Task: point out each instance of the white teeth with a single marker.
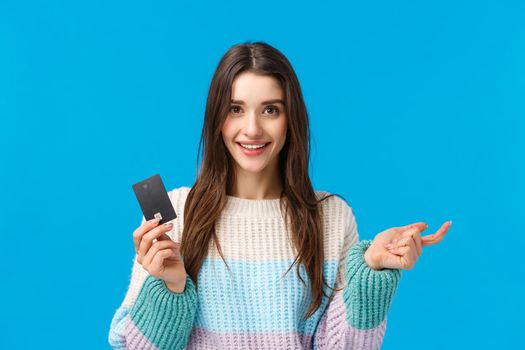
(252, 146)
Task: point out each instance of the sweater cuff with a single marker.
(369, 292)
(164, 317)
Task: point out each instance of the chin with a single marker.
(251, 166)
(253, 169)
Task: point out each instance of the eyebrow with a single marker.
(262, 103)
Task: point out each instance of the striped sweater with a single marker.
(255, 305)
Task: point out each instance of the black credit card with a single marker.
(154, 200)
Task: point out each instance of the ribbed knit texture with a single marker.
(255, 305)
(370, 291)
(157, 308)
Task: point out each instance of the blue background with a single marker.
(417, 113)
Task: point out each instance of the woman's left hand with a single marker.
(400, 247)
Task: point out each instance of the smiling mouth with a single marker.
(253, 147)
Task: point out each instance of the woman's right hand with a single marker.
(162, 258)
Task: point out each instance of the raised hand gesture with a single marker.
(400, 247)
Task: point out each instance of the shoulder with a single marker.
(335, 207)
(178, 197)
(178, 191)
(339, 224)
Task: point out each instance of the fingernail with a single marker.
(169, 225)
(450, 222)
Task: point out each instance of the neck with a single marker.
(263, 185)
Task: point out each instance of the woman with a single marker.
(217, 277)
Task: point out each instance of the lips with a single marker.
(253, 152)
(253, 143)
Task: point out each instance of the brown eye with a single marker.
(273, 109)
(234, 109)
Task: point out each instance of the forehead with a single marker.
(250, 87)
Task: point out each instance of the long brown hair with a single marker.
(207, 196)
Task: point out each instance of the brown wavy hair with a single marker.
(299, 203)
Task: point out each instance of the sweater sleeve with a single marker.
(152, 316)
(355, 317)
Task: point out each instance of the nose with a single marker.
(252, 128)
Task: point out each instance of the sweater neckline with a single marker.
(236, 206)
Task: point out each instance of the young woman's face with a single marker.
(256, 117)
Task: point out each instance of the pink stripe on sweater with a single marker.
(203, 339)
(334, 332)
(134, 337)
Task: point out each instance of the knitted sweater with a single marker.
(255, 305)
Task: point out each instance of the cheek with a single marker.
(225, 128)
(281, 131)
(228, 134)
(227, 131)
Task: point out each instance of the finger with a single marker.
(410, 252)
(392, 261)
(419, 245)
(154, 250)
(436, 237)
(398, 231)
(420, 224)
(141, 230)
(415, 229)
(157, 264)
(404, 255)
(155, 233)
(399, 250)
(400, 242)
(407, 262)
(147, 239)
(409, 258)
(415, 235)
(164, 237)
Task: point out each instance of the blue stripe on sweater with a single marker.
(254, 297)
